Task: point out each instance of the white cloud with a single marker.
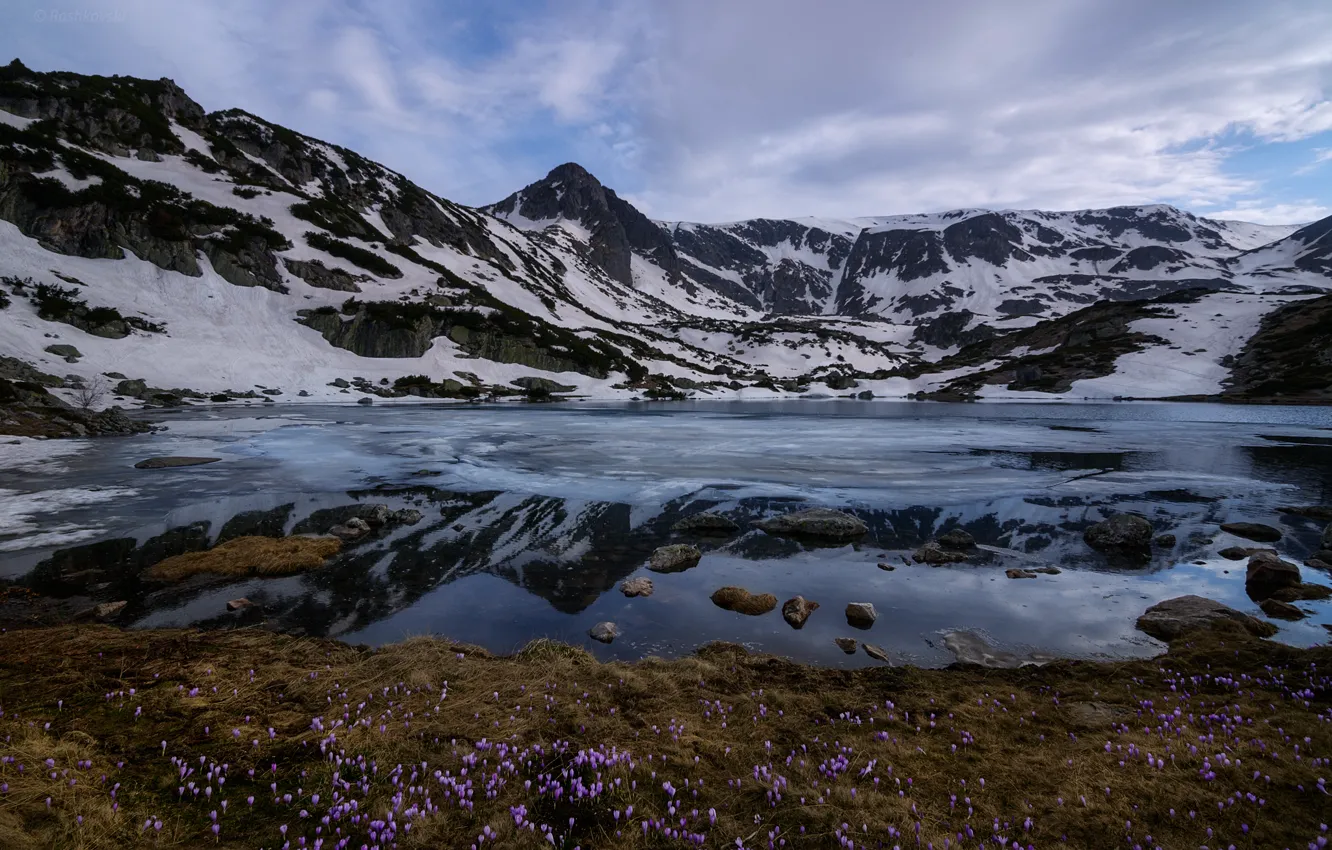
(1260, 213)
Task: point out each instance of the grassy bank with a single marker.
(249, 739)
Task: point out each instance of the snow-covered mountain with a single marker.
(181, 255)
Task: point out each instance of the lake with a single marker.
(534, 514)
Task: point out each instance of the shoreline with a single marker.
(1222, 740)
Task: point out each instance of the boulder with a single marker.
(108, 610)
(876, 652)
(1268, 573)
(1279, 610)
(1239, 553)
(238, 604)
(706, 523)
(1122, 536)
(1252, 531)
(69, 352)
(933, 553)
(133, 387)
(1327, 537)
(741, 601)
(1322, 561)
(815, 522)
(174, 462)
(636, 587)
(1323, 512)
(861, 615)
(1164, 541)
(886, 567)
(340, 383)
(957, 540)
(847, 645)
(675, 558)
(1169, 619)
(1299, 592)
(365, 400)
(797, 610)
(1017, 573)
(406, 516)
(354, 528)
(604, 632)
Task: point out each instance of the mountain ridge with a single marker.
(213, 255)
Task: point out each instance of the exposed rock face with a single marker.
(706, 523)
(971, 648)
(741, 601)
(1122, 536)
(28, 410)
(675, 558)
(1268, 573)
(1174, 617)
(861, 615)
(636, 587)
(315, 273)
(1252, 531)
(1291, 354)
(604, 632)
(1279, 610)
(797, 610)
(815, 522)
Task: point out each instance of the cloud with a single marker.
(714, 111)
(1259, 213)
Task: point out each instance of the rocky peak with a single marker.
(616, 229)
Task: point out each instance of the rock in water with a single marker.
(706, 523)
(933, 553)
(861, 614)
(957, 540)
(173, 462)
(815, 522)
(876, 652)
(636, 587)
(238, 604)
(1169, 619)
(1252, 531)
(1268, 573)
(365, 400)
(1017, 573)
(847, 645)
(741, 601)
(1239, 553)
(1164, 541)
(353, 529)
(1122, 536)
(1279, 610)
(797, 610)
(675, 558)
(1327, 537)
(604, 632)
(406, 516)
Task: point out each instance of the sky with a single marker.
(718, 110)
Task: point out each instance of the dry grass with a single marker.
(251, 556)
(741, 601)
(869, 755)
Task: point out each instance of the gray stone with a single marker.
(304, 393)
(365, 400)
(1169, 619)
(886, 567)
(957, 540)
(340, 383)
(353, 529)
(108, 610)
(133, 388)
(542, 385)
(861, 614)
(815, 522)
(69, 352)
(1267, 572)
(406, 516)
(604, 632)
(1279, 610)
(1327, 537)
(933, 553)
(238, 604)
(315, 273)
(847, 645)
(174, 462)
(1017, 573)
(1164, 541)
(796, 611)
(1252, 531)
(706, 523)
(1239, 553)
(1122, 536)
(637, 587)
(877, 653)
(675, 558)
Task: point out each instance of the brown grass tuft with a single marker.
(251, 556)
(741, 601)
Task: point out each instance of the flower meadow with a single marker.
(250, 739)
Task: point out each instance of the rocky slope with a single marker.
(233, 258)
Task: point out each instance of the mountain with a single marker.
(180, 256)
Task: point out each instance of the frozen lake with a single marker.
(534, 514)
